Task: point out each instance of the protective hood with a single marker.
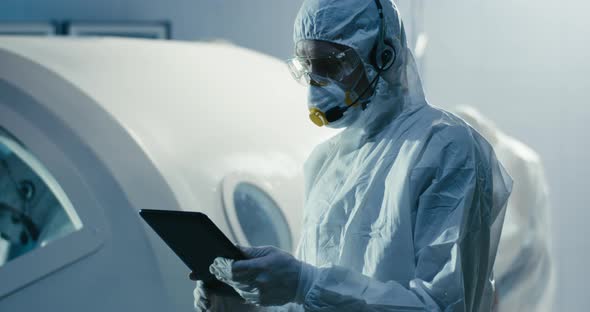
(356, 24)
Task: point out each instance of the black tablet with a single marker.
(196, 240)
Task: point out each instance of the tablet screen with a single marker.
(196, 240)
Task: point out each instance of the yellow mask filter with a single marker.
(317, 117)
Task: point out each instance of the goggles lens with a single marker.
(314, 66)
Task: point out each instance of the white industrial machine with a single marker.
(93, 130)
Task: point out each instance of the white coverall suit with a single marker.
(404, 207)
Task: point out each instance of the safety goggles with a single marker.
(314, 65)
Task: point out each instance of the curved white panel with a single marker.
(166, 122)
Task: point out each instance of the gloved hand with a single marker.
(202, 303)
(268, 277)
(222, 269)
(206, 301)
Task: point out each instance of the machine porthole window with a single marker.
(34, 209)
(254, 216)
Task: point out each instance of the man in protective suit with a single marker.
(403, 207)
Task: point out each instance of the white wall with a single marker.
(265, 25)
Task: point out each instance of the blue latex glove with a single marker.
(269, 276)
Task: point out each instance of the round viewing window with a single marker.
(257, 216)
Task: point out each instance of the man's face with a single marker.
(334, 61)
